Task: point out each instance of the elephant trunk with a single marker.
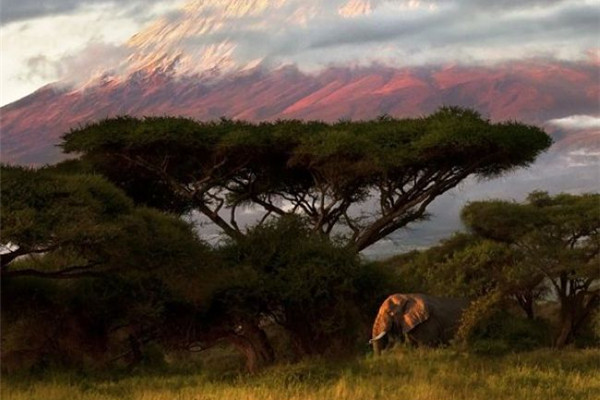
(381, 327)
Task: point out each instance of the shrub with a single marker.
(316, 289)
(589, 336)
(505, 332)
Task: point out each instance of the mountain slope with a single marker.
(531, 92)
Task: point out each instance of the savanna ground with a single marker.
(415, 374)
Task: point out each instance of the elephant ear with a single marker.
(416, 312)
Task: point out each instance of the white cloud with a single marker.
(315, 33)
(21, 10)
(49, 40)
(66, 46)
(576, 122)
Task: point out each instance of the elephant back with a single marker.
(447, 312)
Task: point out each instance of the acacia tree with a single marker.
(327, 172)
(555, 237)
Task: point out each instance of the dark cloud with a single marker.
(456, 27)
(546, 27)
(505, 4)
(20, 10)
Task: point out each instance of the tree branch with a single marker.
(7, 258)
(80, 271)
(267, 205)
(422, 194)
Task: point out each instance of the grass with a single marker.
(403, 374)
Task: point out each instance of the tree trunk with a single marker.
(260, 341)
(528, 308)
(526, 301)
(565, 332)
(136, 350)
(574, 312)
(244, 346)
(254, 344)
(587, 308)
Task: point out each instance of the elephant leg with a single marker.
(411, 339)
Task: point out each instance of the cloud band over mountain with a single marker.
(42, 40)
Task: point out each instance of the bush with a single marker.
(317, 290)
(504, 332)
(589, 336)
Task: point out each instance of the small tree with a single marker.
(300, 281)
(330, 173)
(467, 265)
(82, 265)
(554, 237)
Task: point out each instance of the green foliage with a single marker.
(91, 270)
(85, 220)
(552, 237)
(305, 282)
(322, 169)
(594, 329)
(504, 332)
(489, 327)
(373, 283)
(555, 220)
(588, 335)
(120, 271)
(45, 209)
(477, 315)
(461, 266)
(155, 282)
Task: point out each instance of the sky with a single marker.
(71, 40)
(41, 41)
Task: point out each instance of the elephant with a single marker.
(421, 319)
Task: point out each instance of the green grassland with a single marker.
(415, 374)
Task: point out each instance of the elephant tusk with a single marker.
(382, 334)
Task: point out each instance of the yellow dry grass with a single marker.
(401, 374)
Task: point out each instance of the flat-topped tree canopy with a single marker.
(313, 168)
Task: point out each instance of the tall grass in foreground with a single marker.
(402, 374)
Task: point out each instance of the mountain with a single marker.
(206, 62)
(532, 92)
